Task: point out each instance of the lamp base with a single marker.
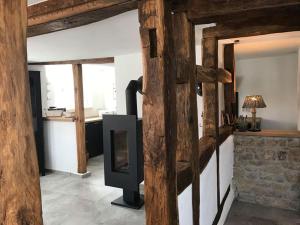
(254, 130)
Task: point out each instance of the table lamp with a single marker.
(252, 102)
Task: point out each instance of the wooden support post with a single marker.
(159, 112)
(187, 118)
(229, 89)
(211, 100)
(210, 90)
(20, 196)
(80, 118)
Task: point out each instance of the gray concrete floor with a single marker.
(70, 200)
(251, 214)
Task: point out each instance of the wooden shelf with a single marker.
(60, 119)
(271, 133)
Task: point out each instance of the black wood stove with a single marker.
(123, 150)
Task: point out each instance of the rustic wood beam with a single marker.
(207, 147)
(211, 99)
(207, 11)
(186, 105)
(56, 15)
(78, 61)
(20, 196)
(210, 90)
(225, 132)
(274, 20)
(229, 89)
(159, 116)
(209, 75)
(79, 119)
(184, 176)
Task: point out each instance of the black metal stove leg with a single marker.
(130, 199)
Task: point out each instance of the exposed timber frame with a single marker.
(186, 103)
(209, 75)
(20, 196)
(78, 61)
(56, 15)
(252, 23)
(159, 116)
(204, 11)
(160, 123)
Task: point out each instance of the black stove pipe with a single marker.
(133, 87)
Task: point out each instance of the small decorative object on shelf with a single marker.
(253, 102)
(242, 124)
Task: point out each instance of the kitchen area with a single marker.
(60, 153)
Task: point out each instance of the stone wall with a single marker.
(267, 171)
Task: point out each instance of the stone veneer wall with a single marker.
(267, 171)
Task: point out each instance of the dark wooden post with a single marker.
(20, 196)
(80, 119)
(211, 99)
(159, 112)
(187, 118)
(229, 89)
(210, 90)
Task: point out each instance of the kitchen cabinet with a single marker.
(94, 138)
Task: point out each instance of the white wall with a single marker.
(208, 192)
(128, 67)
(275, 78)
(199, 98)
(57, 86)
(208, 189)
(60, 146)
(298, 98)
(99, 86)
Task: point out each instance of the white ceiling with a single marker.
(119, 35)
(266, 45)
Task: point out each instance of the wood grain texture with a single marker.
(225, 132)
(184, 176)
(252, 23)
(271, 133)
(207, 147)
(78, 61)
(55, 15)
(229, 89)
(186, 105)
(211, 101)
(159, 112)
(209, 75)
(20, 196)
(210, 90)
(80, 118)
(207, 11)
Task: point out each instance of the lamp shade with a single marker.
(254, 101)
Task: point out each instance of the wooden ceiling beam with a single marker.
(78, 61)
(252, 23)
(56, 15)
(208, 75)
(207, 11)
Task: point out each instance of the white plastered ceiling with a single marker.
(119, 35)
